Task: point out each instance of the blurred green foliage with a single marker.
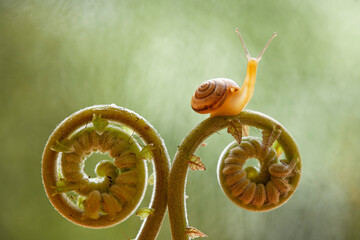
(57, 57)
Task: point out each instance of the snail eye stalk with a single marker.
(267, 44)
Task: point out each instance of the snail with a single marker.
(224, 97)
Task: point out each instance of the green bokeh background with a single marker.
(57, 57)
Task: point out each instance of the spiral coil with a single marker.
(118, 183)
(119, 186)
(255, 189)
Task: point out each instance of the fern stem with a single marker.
(179, 170)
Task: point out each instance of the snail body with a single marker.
(224, 97)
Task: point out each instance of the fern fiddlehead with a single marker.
(257, 190)
(119, 186)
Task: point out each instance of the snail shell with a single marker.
(216, 96)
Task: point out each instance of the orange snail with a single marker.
(222, 96)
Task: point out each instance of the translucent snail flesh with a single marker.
(223, 97)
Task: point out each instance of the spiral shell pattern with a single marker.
(258, 190)
(210, 95)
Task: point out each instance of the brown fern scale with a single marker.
(268, 185)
